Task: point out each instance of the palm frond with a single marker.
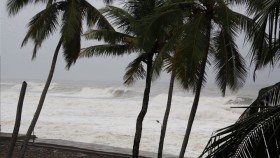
(140, 8)
(269, 15)
(226, 18)
(71, 31)
(155, 25)
(158, 64)
(190, 51)
(266, 36)
(121, 19)
(41, 26)
(229, 64)
(267, 97)
(14, 6)
(273, 55)
(135, 70)
(94, 16)
(106, 50)
(108, 36)
(255, 136)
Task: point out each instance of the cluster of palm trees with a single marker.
(181, 37)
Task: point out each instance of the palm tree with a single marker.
(130, 39)
(255, 134)
(171, 33)
(229, 64)
(44, 24)
(200, 39)
(209, 30)
(264, 36)
(197, 40)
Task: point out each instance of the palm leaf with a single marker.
(159, 63)
(151, 24)
(41, 26)
(135, 70)
(229, 64)
(71, 31)
(265, 42)
(106, 50)
(269, 96)
(255, 134)
(14, 6)
(109, 36)
(120, 18)
(94, 16)
(190, 51)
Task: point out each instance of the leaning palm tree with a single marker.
(130, 39)
(169, 16)
(255, 134)
(44, 24)
(201, 40)
(210, 28)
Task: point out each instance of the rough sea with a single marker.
(105, 113)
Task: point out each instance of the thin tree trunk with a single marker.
(197, 95)
(166, 115)
(41, 102)
(18, 120)
(145, 103)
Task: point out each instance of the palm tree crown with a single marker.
(46, 22)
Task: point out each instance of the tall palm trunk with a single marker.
(144, 109)
(166, 115)
(18, 120)
(41, 102)
(197, 95)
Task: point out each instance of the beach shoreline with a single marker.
(58, 148)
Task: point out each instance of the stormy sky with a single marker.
(16, 62)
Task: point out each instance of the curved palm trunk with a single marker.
(18, 120)
(145, 103)
(197, 96)
(41, 102)
(166, 115)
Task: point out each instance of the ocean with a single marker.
(105, 113)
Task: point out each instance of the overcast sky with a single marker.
(16, 61)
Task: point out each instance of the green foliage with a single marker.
(71, 31)
(229, 63)
(127, 38)
(255, 134)
(187, 22)
(268, 96)
(41, 26)
(109, 36)
(135, 70)
(45, 23)
(264, 35)
(106, 50)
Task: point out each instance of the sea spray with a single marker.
(105, 113)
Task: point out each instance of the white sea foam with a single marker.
(106, 114)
